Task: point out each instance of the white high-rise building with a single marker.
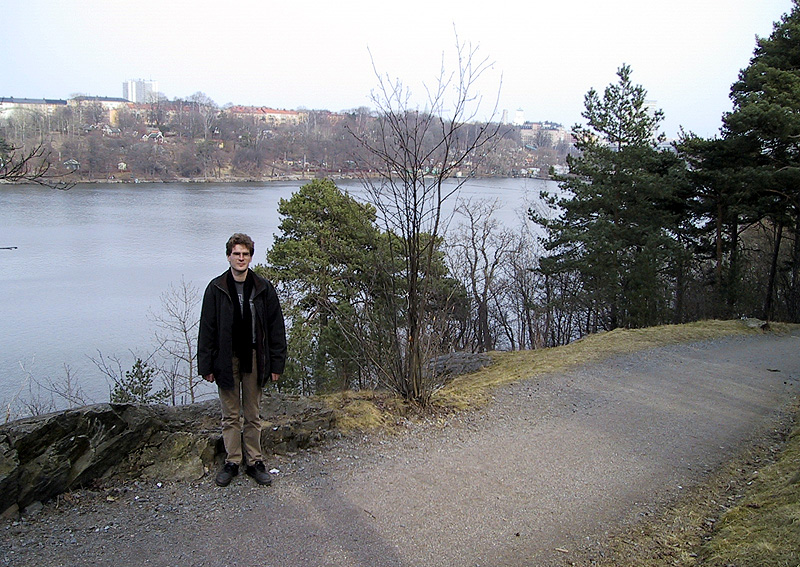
(139, 90)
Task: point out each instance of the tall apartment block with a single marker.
(139, 90)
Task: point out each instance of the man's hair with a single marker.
(242, 239)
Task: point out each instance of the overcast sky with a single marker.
(319, 54)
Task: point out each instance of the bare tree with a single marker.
(177, 323)
(38, 396)
(67, 389)
(478, 251)
(207, 110)
(416, 154)
(522, 292)
(13, 405)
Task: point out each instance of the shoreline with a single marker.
(258, 180)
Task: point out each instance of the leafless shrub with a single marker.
(176, 337)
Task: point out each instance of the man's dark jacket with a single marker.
(215, 338)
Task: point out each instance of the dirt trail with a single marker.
(549, 467)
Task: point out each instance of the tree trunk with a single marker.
(773, 271)
(733, 284)
(718, 287)
(793, 295)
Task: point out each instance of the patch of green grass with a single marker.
(763, 529)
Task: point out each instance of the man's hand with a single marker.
(208, 377)
(275, 377)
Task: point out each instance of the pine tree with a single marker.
(617, 217)
(765, 124)
(137, 386)
(320, 263)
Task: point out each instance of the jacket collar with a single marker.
(258, 283)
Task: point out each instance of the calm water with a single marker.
(91, 262)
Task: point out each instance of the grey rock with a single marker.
(458, 363)
(33, 508)
(43, 456)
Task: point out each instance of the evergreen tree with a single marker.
(718, 207)
(136, 387)
(343, 291)
(320, 263)
(617, 218)
(765, 125)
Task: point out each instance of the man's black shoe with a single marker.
(226, 474)
(259, 472)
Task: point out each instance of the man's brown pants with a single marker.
(244, 399)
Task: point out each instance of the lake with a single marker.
(90, 263)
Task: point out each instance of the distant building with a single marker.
(139, 90)
(40, 105)
(535, 133)
(154, 136)
(110, 106)
(268, 115)
(107, 102)
(651, 107)
(72, 165)
(519, 117)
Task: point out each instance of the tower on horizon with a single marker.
(139, 90)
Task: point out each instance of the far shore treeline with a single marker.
(641, 232)
(193, 139)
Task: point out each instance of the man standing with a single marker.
(241, 342)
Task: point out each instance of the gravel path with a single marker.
(549, 467)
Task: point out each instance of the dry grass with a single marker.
(370, 410)
(366, 410)
(764, 527)
(467, 391)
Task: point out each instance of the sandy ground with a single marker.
(549, 468)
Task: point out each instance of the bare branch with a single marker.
(419, 156)
(176, 336)
(33, 166)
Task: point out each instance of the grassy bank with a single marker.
(764, 527)
(467, 391)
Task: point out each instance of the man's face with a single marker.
(239, 258)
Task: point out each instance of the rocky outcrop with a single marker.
(41, 457)
(458, 363)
